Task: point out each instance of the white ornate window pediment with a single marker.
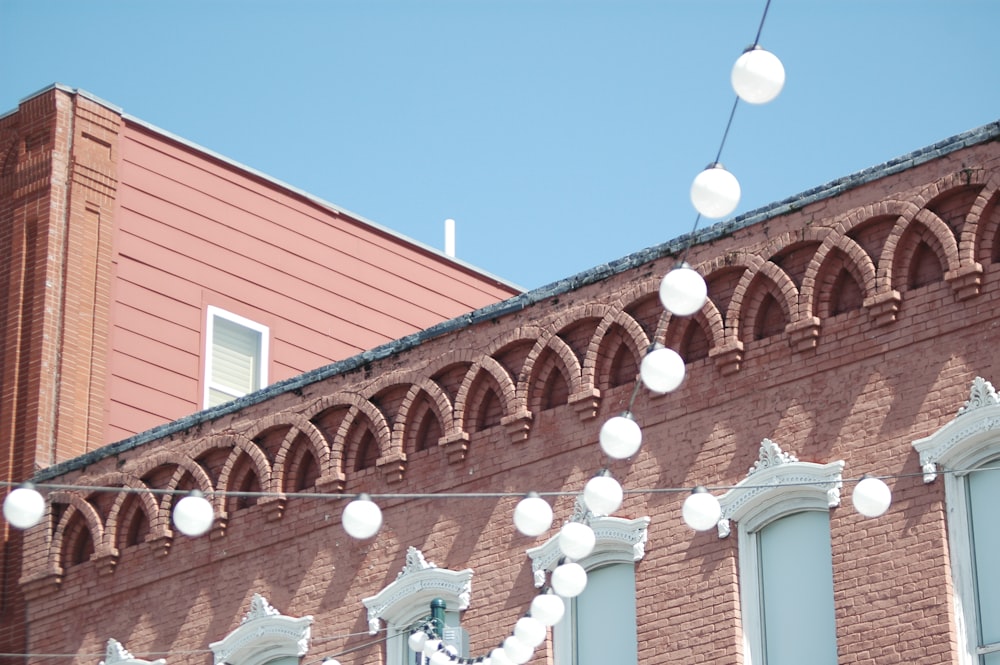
(117, 654)
(618, 540)
(264, 635)
(417, 585)
(779, 484)
(969, 439)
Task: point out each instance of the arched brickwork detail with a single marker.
(632, 335)
(76, 507)
(762, 279)
(316, 442)
(854, 259)
(979, 232)
(906, 235)
(373, 420)
(502, 381)
(896, 208)
(144, 501)
(966, 177)
(181, 464)
(406, 421)
(559, 358)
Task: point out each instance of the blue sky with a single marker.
(560, 134)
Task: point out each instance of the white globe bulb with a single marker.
(440, 658)
(548, 608)
(701, 511)
(758, 76)
(871, 497)
(533, 515)
(530, 630)
(431, 647)
(498, 657)
(362, 518)
(662, 370)
(620, 437)
(24, 507)
(603, 495)
(715, 192)
(576, 540)
(193, 515)
(569, 580)
(683, 291)
(417, 640)
(517, 651)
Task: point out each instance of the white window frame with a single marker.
(970, 440)
(408, 598)
(211, 314)
(264, 636)
(619, 540)
(776, 486)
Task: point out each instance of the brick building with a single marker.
(145, 279)
(849, 331)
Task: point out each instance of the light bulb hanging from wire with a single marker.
(701, 510)
(757, 76)
(662, 370)
(24, 507)
(715, 191)
(683, 291)
(620, 436)
(533, 515)
(362, 518)
(871, 496)
(193, 514)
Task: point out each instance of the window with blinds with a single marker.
(236, 357)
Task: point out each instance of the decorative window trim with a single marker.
(778, 484)
(211, 313)
(618, 540)
(117, 654)
(969, 440)
(418, 584)
(264, 635)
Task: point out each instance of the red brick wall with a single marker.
(858, 386)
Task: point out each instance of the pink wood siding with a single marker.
(194, 231)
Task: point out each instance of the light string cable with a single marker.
(471, 495)
(725, 135)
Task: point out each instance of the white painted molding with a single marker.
(263, 635)
(779, 484)
(418, 583)
(966, 440)
(618, 540)
(117, 654)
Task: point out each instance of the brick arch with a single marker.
(761, 277)
(898, 208)
(76, 505)
(633, 335)
(902, 242)
(979, 231)
(145, 500)
(673, 330)
(504, 383)
(181, 463)
(856, 261)
(376, 423)
(966, 177)
(439, 404)
(316, 442)
(562, 359)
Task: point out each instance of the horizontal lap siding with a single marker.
(193, 232)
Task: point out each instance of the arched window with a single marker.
(405, 604)
(599, 626)
(785, 559)
(264, 637)
(967, 451)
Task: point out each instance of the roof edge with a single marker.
(980, 135)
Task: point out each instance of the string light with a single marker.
(533, 515)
